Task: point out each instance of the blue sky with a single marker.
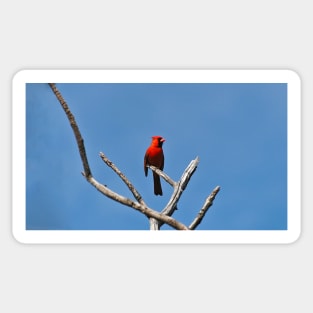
(238, 131)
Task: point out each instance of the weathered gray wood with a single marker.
(207, 204)
(156, 219)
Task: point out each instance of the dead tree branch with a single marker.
(156, 219)
(153, 222)
(179, 187)
(130, 186)
(163, 175)
(139, 206)
(207, 204)
(78, 136)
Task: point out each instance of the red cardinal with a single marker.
(154, 156)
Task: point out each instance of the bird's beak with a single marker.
(162, 140)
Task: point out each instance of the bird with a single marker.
(154, 156)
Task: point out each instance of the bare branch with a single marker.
(179, 188)
(207, 204)
(78, 136)
(154, 223)
(130, 186)
(163, 175)
(137, 206)
(156, 219)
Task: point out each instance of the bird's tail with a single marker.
(157, 184)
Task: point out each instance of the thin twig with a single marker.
(163, 175)
(207, 204)
(130, 186)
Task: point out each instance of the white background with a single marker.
(164, 34)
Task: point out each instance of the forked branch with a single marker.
(156, 219)
(179, 187)
(139, 205)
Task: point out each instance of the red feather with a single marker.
(154, 156)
